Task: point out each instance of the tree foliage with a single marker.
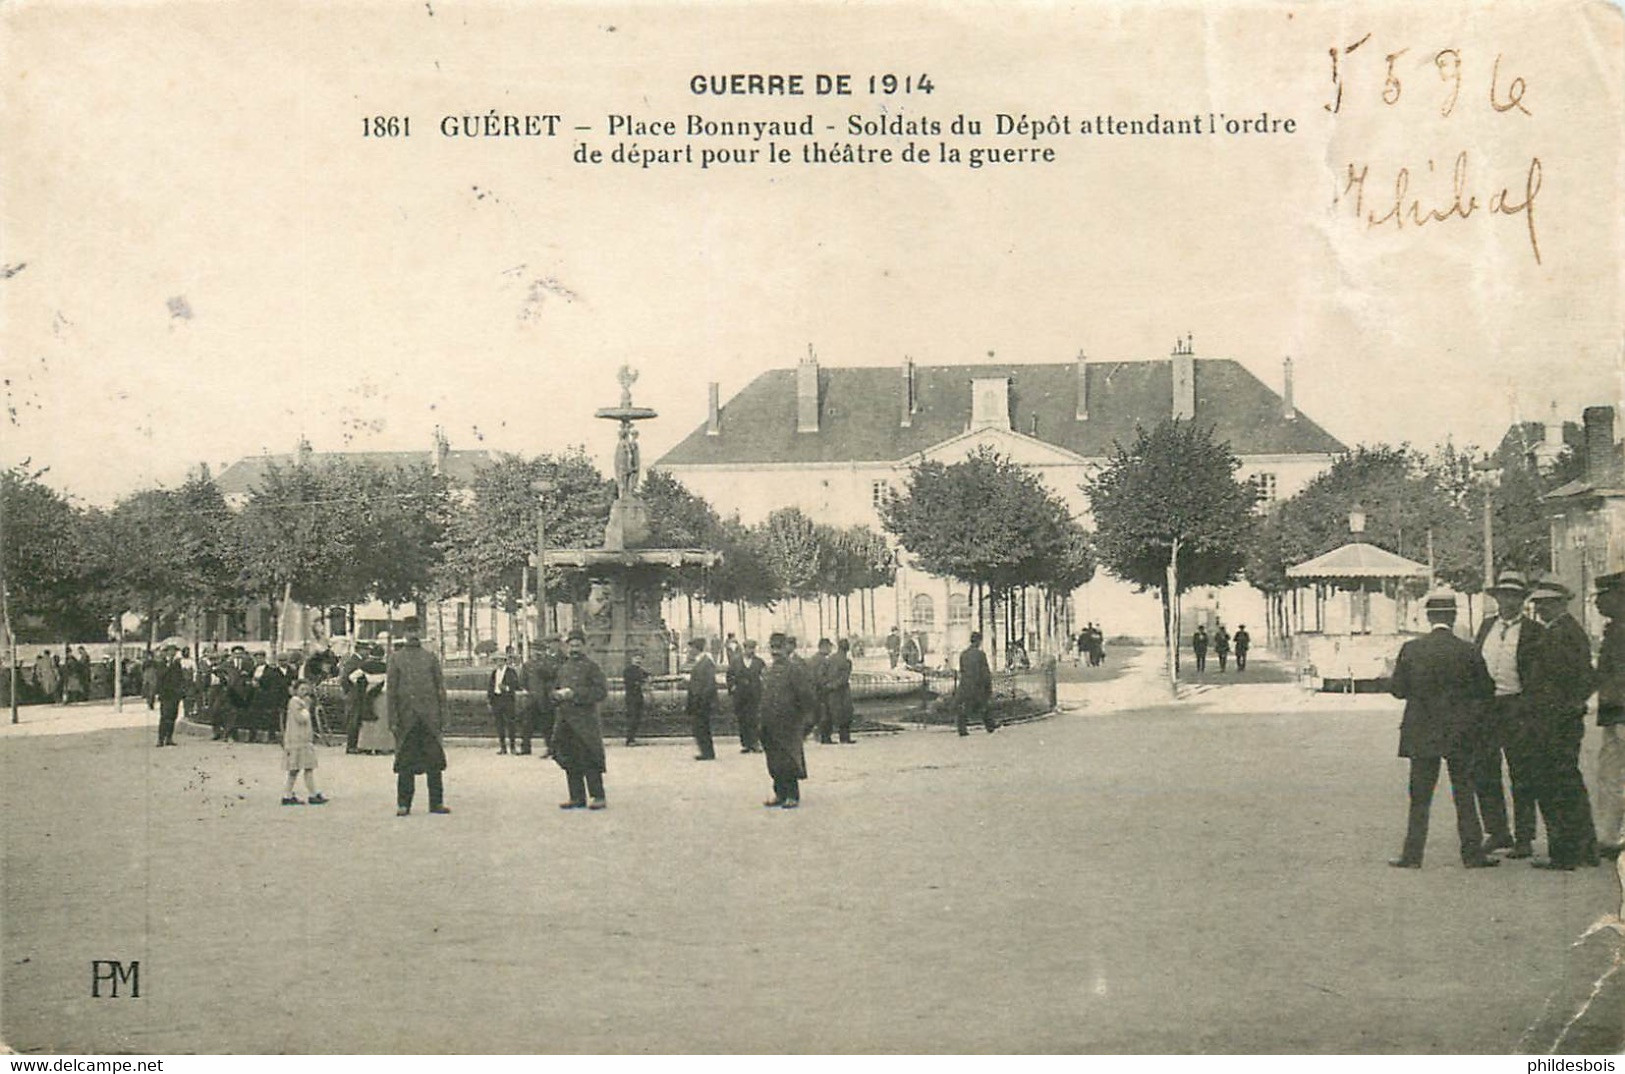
(987, 520)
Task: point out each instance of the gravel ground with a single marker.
(1206, 876)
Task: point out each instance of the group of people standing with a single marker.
(1221, 643)
(1091, 645)
(1517, 692)
(64, 679)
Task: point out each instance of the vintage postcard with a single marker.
(296, 296)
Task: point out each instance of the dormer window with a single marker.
(990, 403)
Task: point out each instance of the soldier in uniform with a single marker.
(1445, 687)
(787, 701)
(1562, 680)
(577, 736)
(748, 698)
(1611, 715)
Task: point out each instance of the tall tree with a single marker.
(42, 551)
(1169, 515)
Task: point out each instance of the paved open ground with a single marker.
(1129, 876)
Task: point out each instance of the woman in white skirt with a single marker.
(299, 745)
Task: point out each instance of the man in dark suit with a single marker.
(838, 692)
(1445, 686)
(170, 688)
(1199, 647)
(1221, 645)
(1611, 715)
(1243, 642)
(1507, 642)
(702, 698)
(501, 691)
(747, 688)
(974, 695)
(632, 679)
(1560, 682)
(540, 676)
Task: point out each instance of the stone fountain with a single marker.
(621, 614)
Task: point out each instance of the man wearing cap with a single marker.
(819, 666)
(1611, 715)
(540, 676)
(748, 697)
(974, 692)
(577, 736)
(838, 692)
(702, 698)
(1560, 683)
(170, 689)
(416, 694)
(787, 698)
(1445, 685)
(1507, 643)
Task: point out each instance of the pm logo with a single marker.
(114, 975)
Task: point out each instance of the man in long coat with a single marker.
(540, 676)
(702, 698)
(819, 667)
(1446, 688)
(1560, 682)
(974, 694)
(577, 734)
(787, 701)
(416, 695)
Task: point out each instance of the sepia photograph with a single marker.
(802, 528)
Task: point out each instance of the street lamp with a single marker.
(1491, 475)
(541, 487)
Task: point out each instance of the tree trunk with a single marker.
(440, 626)
(1170, 618)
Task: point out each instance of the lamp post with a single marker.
(541, 488)
(1491, 475)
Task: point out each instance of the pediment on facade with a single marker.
(1019, 448)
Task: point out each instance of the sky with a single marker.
(203, 258)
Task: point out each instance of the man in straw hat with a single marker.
(1561, 682)
(1507, 642)
(1445, 686)
(578, 736)
(1611, 715)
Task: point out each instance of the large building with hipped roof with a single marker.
(836, 440)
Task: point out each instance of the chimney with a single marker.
(1083, 387)
(1289, 409)
(1551, 436)
(907, 393)
(807, 393)
(713, 410)
(1184, 369)
(1601, 460)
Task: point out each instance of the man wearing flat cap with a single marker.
(787, 698)
(578, 736)
(1507, 642)
(1611, 715)
(1445, 686)
(1562, 679)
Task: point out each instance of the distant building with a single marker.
(836, 441)
(1588, 515)
(256, 623)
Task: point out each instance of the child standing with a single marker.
(299, 745)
